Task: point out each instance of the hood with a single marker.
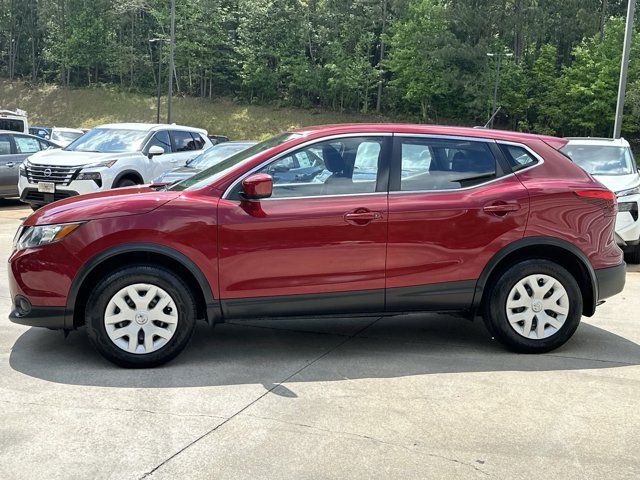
(66, 158)
(617, 183)
(111, 203)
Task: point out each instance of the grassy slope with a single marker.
(50, 105)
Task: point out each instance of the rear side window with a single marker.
(518, 157)
(11, 124)
(5, 145)
(199, 141)
(183, 141)
(26, 144)
(437, 164)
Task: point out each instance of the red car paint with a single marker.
(379, 242)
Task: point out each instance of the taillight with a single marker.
(605, 199)
(596, 193)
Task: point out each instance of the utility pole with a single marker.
(622, 86)
(495, 87)
(159, 82)
(172, 42)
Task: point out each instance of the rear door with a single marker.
(453, 204)
(318, 244)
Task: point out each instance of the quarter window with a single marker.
(336, 167)
(518, 157)
(435, 164)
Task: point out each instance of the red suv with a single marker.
(339, 219)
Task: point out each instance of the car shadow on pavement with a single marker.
(267, 352)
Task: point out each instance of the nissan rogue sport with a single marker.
(443, 219)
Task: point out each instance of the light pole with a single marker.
(159, 82)
(622, 86)
(172, 42)
(495, 88)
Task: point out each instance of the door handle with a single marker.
(10, 164)
(501, 208)
(362, 216)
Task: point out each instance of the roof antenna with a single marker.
(490, 121)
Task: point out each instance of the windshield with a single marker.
(207, 176)
(109, 140)
(216, 155)
(601, 159)
(65, 136)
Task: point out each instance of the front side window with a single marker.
(183, 141)
(109, 140)
(334, 167)
(601, 159)
(160, 139)
(26, 144)
(439, 164)
(199, 141)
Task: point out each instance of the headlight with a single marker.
(107, 163)
(630, 191)
(89, 176)
(36, 236)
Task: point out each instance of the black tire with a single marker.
(121, 278)
(125, 182)
(632, 255)
(35, 207)
(495, 306)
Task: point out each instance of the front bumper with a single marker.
(610, 280)
(628, 222)
(48, 317)
(29, 191)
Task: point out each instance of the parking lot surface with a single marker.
(411, 397)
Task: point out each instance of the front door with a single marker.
(452, 206)
(11, 157)
(318, 244)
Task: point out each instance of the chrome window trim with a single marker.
(298, 147)
(485, 140)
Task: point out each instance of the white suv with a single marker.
(611, 162)
(109, 156)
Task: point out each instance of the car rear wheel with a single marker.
(535, 306)
(140, 316)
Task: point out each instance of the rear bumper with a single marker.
(610, 280)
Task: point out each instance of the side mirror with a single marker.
(257, 186)
(155, 150)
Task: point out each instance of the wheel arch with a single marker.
(554, 249)
(130, 253)
(133, 174)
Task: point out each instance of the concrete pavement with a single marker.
(411, 397)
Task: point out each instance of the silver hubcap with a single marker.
(537, 306)
(141, 318)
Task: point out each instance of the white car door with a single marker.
(160, 164)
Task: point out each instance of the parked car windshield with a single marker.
(216, 154)
(65, 136)
(210, 174)
(109, 140)
(601, 159)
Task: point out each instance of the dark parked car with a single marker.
(479, 221)
(206, 159)
(14, 148)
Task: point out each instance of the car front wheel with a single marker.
(535, 306)
(140, 316)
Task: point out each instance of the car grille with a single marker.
(30, 195)
(46, 173)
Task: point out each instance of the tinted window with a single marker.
(336, 167)
(26, 144)
(518, 157)
(183, 141)
(160, 139)
(11, 124)
(199, 141)
(434, 164)
(5, 145)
